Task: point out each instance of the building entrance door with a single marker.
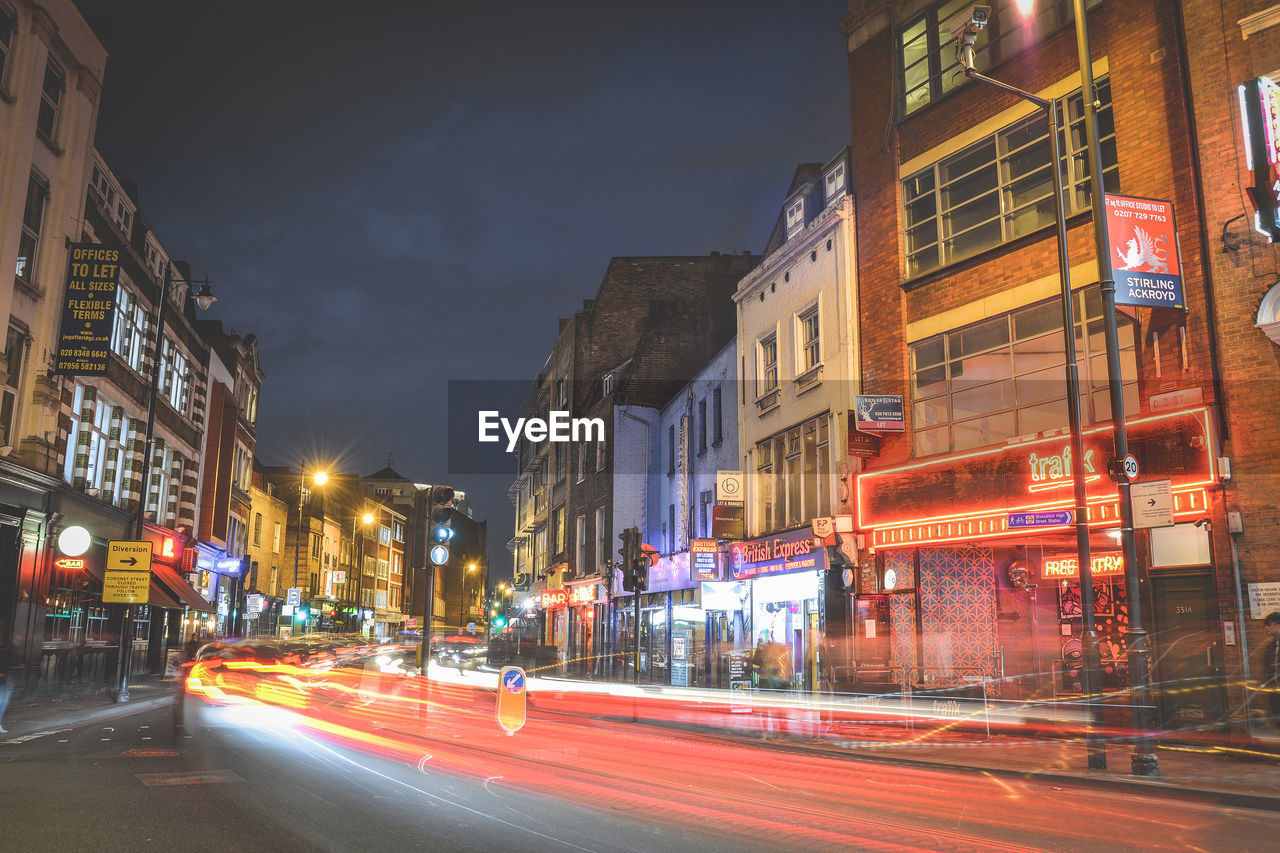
(1187, 650)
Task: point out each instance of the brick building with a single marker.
(957, 266)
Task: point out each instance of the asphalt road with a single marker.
(255, 782)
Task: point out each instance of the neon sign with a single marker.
(582, 594)
(552, 598)
(970, 495)
(786, 552)
(1068, 567)
(72, 563)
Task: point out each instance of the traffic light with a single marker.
(629, 550)
(499, 622)
(640, 573)
(441, 515)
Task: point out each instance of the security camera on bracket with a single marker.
(965, 29)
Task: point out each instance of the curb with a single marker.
(83, 718)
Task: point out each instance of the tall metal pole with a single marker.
(126, 623)
(1143, 761)
(1094, 747)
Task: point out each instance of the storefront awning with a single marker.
(181, 590)
(160, 598)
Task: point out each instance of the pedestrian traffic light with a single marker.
(629, 552)
(441, 515)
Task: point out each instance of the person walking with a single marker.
(1271, 666)
(772, 664)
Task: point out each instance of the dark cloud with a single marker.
(393, 195)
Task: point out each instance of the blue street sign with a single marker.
(439, 555)
(513, 680)
(1041, 519)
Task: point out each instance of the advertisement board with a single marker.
(884, 413)
(1145, 263)
(775, 555)
(88, 311)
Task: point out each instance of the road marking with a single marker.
(33, 736)
(139, 752)
(199, 777)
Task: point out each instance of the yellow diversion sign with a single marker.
(511, 699)
(128, 573)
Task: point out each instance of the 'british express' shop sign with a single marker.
(776, 555)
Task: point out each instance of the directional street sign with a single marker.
(439, 555)
(293, 598)
(1041, 519)
(128, 572)
(1152, 504)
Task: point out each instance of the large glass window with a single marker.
(792, 476)
(1000, 188)
(175, 376)
(929, 66)
(1006, 376)
(96, 446)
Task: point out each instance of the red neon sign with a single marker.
(1067, 566)
(963, 496)
(553, 598)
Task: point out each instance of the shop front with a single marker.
(782, 600)
(974, 585)
(581, 597)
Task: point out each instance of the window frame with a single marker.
(51, 102)
(808, 350)
(933, 223)
(768, 375)
(34, 208)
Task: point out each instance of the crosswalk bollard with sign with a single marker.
(511, 699)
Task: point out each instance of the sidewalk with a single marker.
(45, 713)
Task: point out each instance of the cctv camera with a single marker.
(967, 25)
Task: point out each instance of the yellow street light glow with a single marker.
(471, 568)
(320, 478)
(367, 518)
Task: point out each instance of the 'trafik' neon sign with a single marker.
(1058, 466)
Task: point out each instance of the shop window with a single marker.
(1001, 187)
(1006, 376)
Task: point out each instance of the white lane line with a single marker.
(33, 736)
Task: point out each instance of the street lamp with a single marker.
(204, 298)
(319, 478)
(966, 34)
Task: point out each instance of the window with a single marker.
(96, 449)
(702, 426)
(602, 539)
(705, 501)
(582, 462)
(671, 528)
(717, 420)
(384, 535)
(175, 376)
(275, 539)
(241, 467)
(316, 544)
(833, 182)
(129, 335)
(768, 364)
(793, 476)
(257, 530)
(7, 26)
(671, 451)
(50, 100)
(561, 461)
(810, 345)
(795, 216)
(397, 531)
(600, 455)
(1006, 376)
(1001, 188)
(581, 545)
(928, 64)
(557, 527)
(32, 222)
(562, 394)
(540, 549)
(15, 348)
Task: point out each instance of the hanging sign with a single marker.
(1144, 243)
(88, 311)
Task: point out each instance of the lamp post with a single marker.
(204, 298)
(1094, 747)
(1143, 760)
(319, 478)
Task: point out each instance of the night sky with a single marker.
(392, 195)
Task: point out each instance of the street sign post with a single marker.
(127, 578)
(511, 699)
(293, 598)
